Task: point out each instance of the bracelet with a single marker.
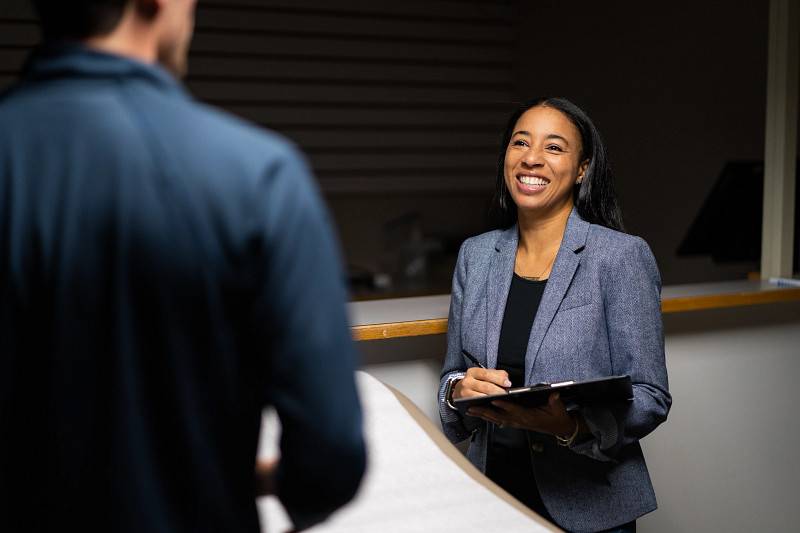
(567, 442)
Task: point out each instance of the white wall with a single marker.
(728, 457)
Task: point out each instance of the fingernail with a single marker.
(506, 383)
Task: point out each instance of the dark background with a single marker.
(399, 106)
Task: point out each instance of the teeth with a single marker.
(531, 180)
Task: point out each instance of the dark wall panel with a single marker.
(383, 96)
(677, 90)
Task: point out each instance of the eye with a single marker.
(519, 142)
(554, 147)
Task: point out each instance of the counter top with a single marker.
(427, 315)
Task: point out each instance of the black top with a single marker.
(521, 306)
(508, 461)
(166, 272)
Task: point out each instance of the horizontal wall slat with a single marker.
(384, 117)
(398, 162)
(426, 172)
(492, 12)
(402, 153)
(346, 49)
(421, 140)
(296, 92)
(277, 79)
(478, 184)
(310, 68)
(339, 70)
(28, 35)
(268, 34)
(348, 45)
(480, 12)
(382, 27)
(282, 54)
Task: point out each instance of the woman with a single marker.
(559, 294)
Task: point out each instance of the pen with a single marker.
(471, 358)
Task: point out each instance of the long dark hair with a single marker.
(595, 198)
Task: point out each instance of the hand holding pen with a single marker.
(480, 381)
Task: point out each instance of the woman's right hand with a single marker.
(481, 382)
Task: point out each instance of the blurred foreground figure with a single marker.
(166, 272)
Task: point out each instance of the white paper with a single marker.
(411, 484)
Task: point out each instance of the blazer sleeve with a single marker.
(632, 301)
(456, 427)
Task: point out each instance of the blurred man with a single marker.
(166, 272)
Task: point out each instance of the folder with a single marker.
(601, 391)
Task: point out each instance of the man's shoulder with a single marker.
(217, 130)
(16, 100)
(186, 124)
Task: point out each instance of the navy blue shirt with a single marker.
(166, 272)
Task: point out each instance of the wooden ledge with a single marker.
(715, 301)
(390, 330)
(427, 315)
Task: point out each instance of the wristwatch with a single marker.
(448, 389)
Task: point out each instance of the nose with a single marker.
(532, 157)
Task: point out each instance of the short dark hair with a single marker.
(78, 19)
(595, 197)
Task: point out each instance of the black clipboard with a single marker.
(601, 391)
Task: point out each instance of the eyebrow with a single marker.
(549, 136)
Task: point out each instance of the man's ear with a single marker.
(148, 8)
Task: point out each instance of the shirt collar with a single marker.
(71, 59)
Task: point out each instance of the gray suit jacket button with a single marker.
(537, 447)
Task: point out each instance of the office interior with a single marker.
(399, 108)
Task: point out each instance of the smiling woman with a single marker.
(543, 162)
(593, 190)
(558, 293)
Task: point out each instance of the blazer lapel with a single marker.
(564, 268)
(501, 270)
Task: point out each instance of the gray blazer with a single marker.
(600, 315)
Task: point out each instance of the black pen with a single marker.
(471, 358)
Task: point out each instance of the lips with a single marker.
(531, 183)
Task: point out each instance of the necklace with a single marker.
(539, 277)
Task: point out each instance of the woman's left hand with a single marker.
(552, 418)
